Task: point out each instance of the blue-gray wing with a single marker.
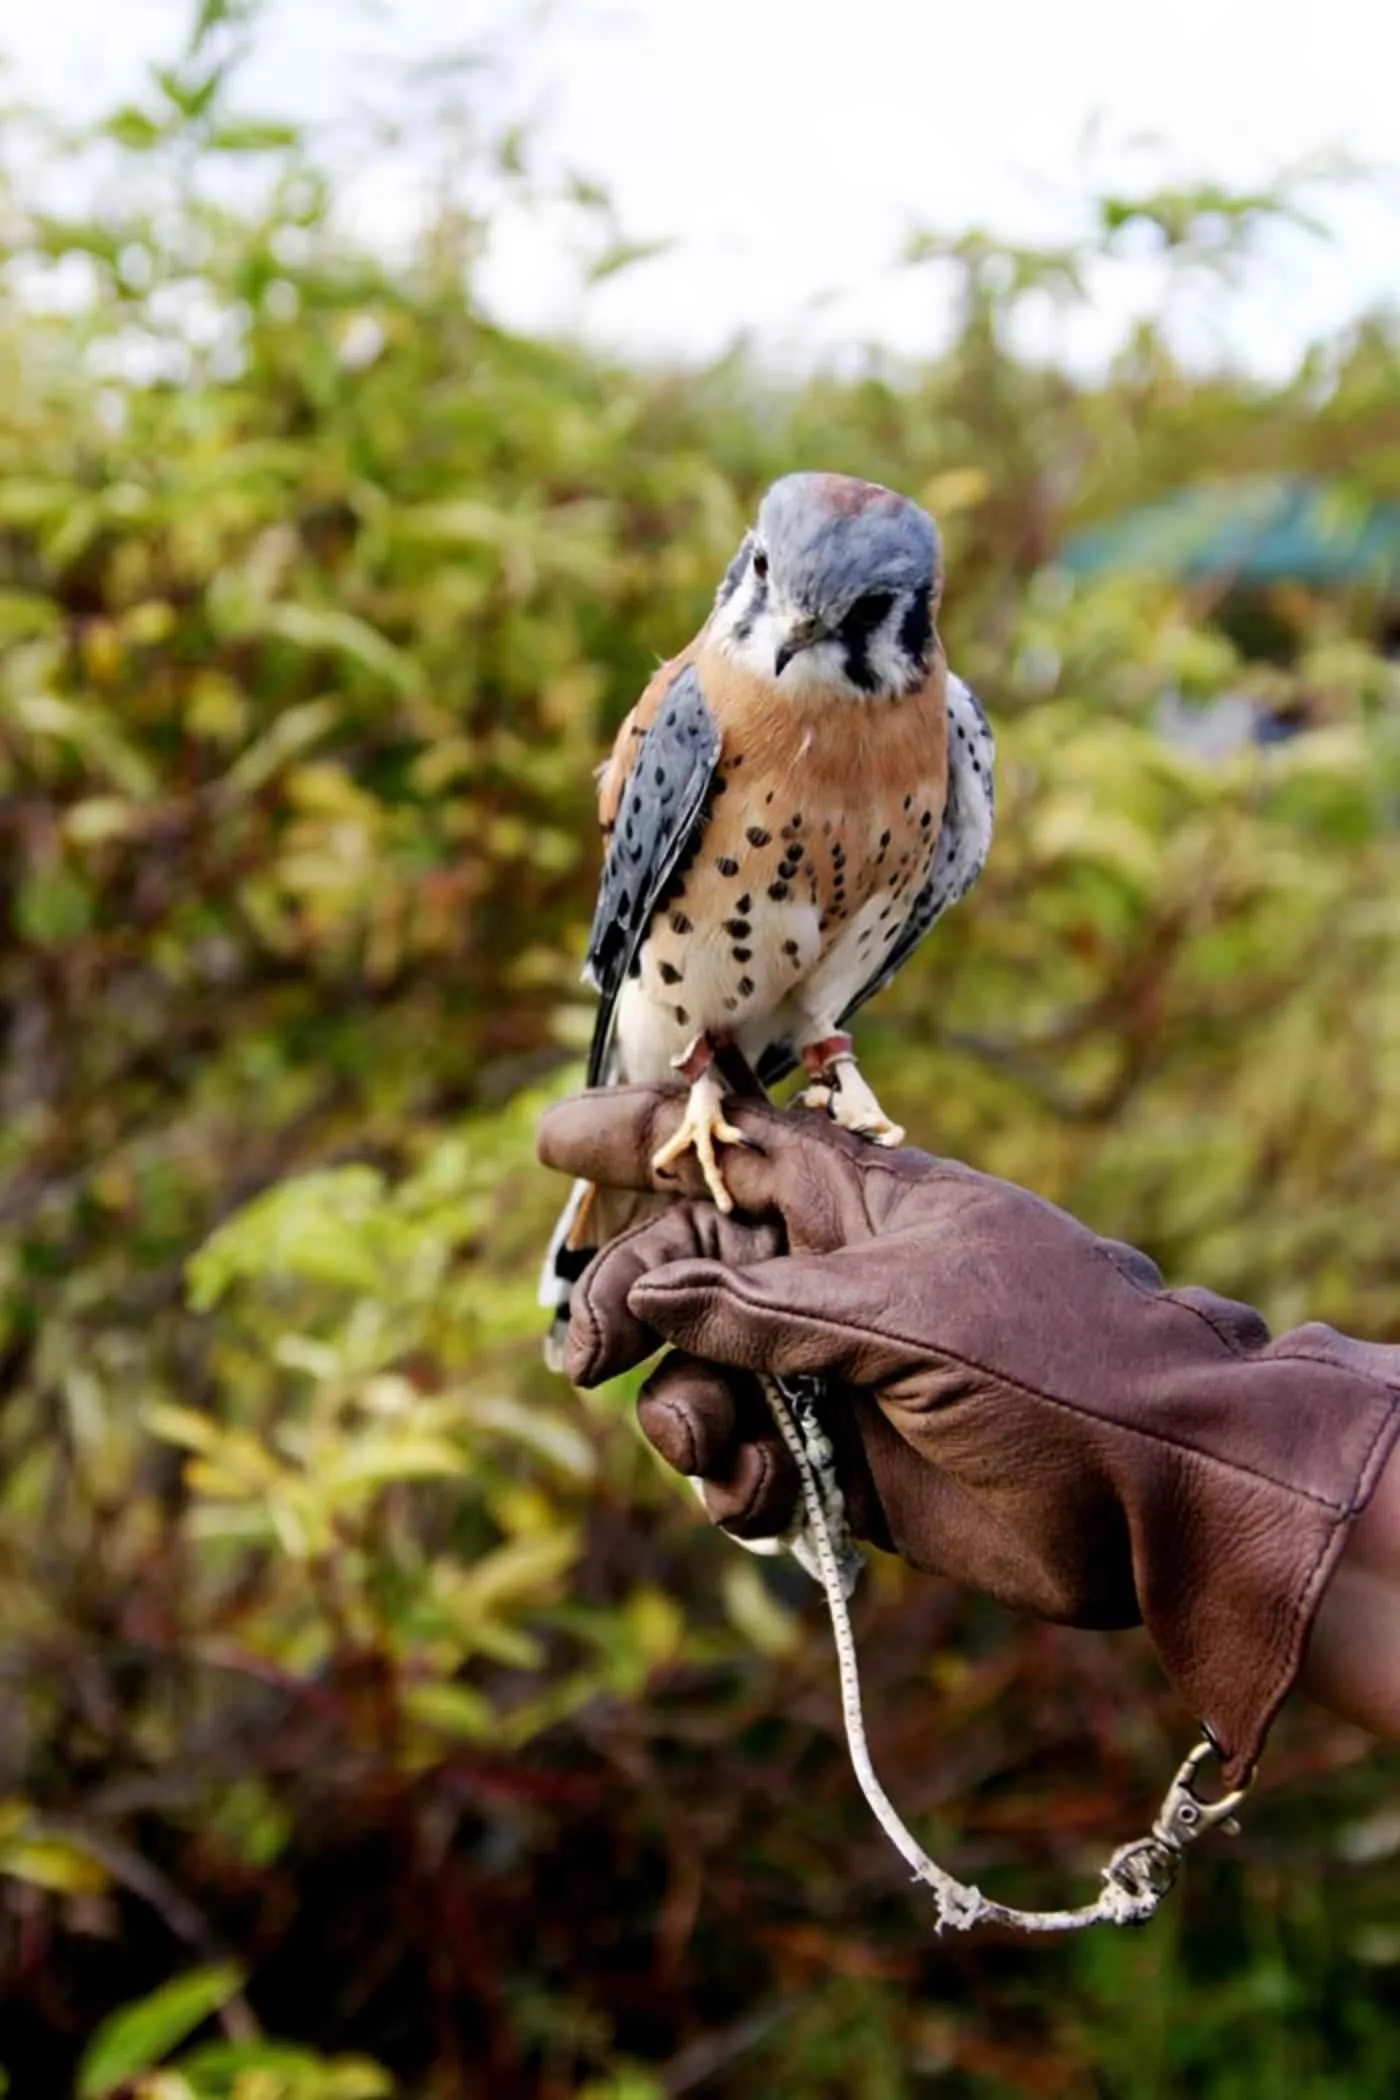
(963, 844)
(660, 819)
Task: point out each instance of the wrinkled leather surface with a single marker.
(1023, 1407)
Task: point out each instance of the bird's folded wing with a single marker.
(655, 795)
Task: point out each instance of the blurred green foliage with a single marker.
(365, 1688)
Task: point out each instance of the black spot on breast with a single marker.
(680, 923)
(727, 866)
(745, 904)
(738, 929)
(791, 948)
(777, 891)
(718, 786)
(884, 840)
(745, 987)
(757, 836)
(681, 1015)
(668, 973)
(742, 955)
(909, 802)
(925, 820)
(731, 1006)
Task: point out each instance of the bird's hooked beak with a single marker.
(803, 634)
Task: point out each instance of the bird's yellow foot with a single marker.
(703, 1126)
(843, 1091)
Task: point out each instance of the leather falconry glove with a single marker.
(1026, 1409)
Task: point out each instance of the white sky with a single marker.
(789, 148)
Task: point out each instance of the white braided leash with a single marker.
(1137, 1876)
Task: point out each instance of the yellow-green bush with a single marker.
(365, 1687)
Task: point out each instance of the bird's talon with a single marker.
(846, 1095)
(703, 1126)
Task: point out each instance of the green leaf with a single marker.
(53, 906)
(551, 1437)
(342, 634)
(25, 613)
(519, 1572)
(191, 97)
(292, 732)
(91, 732)
(378, 1457)
(56, 1863)
(140, 2035)
(454, 1708)
(287, 2073)
(624, 255)
(252, 137)
(135, 130)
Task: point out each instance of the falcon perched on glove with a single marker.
(791, 804)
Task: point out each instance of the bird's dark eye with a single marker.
(760, 563)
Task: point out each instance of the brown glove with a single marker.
(1024, 1407)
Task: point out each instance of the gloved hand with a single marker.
(1024, 1407)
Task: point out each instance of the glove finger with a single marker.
(814, 1175)
(605, 1335)
(825, 1314)
(713, 1426)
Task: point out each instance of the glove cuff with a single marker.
(1232, 1556)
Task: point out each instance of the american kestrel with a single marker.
(791, 804)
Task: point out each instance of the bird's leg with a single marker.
(704, 1124)
(840, 1087)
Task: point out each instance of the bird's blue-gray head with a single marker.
(836, 586)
